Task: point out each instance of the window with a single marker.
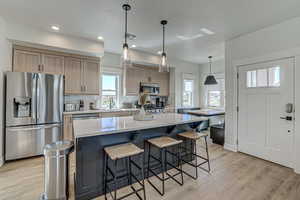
(214, 98)
(110, 90)
(188, 89)
(268, 77)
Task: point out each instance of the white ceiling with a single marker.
(90, 18)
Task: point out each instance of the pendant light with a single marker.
(163, 65)
(125, 55)
(210, 79)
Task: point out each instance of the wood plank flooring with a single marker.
(234, 176)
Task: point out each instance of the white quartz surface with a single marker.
(100, 111)
(102, 126)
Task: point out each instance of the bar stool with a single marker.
(116, 153)
(193, 136)
(162, 143)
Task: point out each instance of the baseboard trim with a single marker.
(1, 161)
(230, 147)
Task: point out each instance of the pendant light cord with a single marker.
(163, 38)
(210, 64)
(126, 26)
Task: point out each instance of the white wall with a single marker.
(54, 41)
(111, 61)
(218, 69)
(5, 65)
(278, 41)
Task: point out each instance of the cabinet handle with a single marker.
(39, 68)
(85, 88)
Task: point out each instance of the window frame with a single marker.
(188, 77)
(267, 78)
(118, 87)
(221, 88)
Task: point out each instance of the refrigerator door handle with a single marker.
(40, 127)
(34, 97)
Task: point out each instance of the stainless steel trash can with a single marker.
(56, 170)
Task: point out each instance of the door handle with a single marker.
(288, 118)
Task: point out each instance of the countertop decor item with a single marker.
(210, 79)
(142, 115)
(163, 66)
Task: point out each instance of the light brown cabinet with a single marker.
(81, 76)
(24, 61)
(82, 73)
(73, 73)
(137, 74)
(27, 61)
(68, 128)
(52, 64)
(91, 77)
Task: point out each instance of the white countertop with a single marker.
(103, 126)
(100, 111)
(208, 112)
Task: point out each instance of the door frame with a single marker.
(292, 53)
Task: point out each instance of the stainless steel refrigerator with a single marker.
(34, 107)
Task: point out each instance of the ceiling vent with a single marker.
(130, 36)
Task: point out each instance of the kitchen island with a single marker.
(92, 135)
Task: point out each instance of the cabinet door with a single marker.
(134, 76)
(68, 128)
(25, 61)
(73, 71)
(91, 77)
(164, 83)
(53, 64)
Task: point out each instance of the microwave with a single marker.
(149, 88)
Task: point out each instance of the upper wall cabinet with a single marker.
(82, 73)
(24, 61)
(52, 64)
(73, 76)
(137, 74)
(82, 76)
(27, 61)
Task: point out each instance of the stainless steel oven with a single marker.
(149, 88)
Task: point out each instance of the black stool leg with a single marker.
(148, 163)
(163, 167)
(105, 175)
(180, 162)
(196, 158)
(115, 179)
(143, 175)
(207, 154)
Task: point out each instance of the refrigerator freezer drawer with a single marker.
(27, 141)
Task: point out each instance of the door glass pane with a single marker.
(262, 78)
(251, 78)
(274, 76)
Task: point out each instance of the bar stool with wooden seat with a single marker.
(116, 153)
(162, 144)
(193, 136)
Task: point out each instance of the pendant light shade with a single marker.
(210, 79)
(125, 59)
(163, 65)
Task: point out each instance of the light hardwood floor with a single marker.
(234, 176)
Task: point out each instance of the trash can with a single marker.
(56, 170)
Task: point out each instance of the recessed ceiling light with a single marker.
(207, 31)
(55, 28)
(159, 52)
(133, 46)
(100, 38)
(182, 37)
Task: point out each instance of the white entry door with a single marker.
(266, 110)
